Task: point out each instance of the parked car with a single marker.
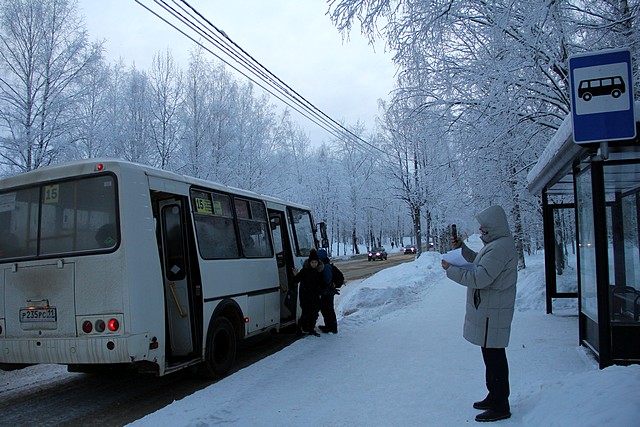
(377, 253)
(409, 249)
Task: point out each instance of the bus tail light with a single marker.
(114, 325)
(100, 324)
(87, 327)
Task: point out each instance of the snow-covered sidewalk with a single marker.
(399, 359)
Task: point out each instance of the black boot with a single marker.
(482, 404)
(491, 415)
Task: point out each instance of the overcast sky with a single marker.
(295, 39)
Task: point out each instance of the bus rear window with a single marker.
(59, 218)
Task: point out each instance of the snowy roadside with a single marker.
(399, 359)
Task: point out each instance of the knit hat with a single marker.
(313, 255)
(322, 255)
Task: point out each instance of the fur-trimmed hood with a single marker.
(319, 268)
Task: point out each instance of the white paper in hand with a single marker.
(455, 257)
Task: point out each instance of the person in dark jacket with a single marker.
(327, 292)
(491, 295)
(311, 280)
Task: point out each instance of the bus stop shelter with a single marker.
(591, 208)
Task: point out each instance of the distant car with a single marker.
(409, 249)
(377, 253)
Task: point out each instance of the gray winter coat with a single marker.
(491, 288)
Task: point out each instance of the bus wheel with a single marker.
(221, 349)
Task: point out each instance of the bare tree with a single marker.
(196, 118)
(133, 143)
(166, 87)
(92, 133)
(495, 74)
(359, 168)
(43, 53)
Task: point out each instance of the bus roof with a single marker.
(89, 166)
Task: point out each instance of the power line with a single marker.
(267, 89)
(190, 20)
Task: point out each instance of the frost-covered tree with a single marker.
(359, 169)
(195, 118)
(166, 89)
(252, 145)
(495, 76)
(134, 142)
(43, 54)
(92, 131)
(291, 146)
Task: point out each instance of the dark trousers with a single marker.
(497, 377)
(309, 305)
(328, 312)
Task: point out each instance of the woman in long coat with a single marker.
(491, 294)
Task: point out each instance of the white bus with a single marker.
(108, 262)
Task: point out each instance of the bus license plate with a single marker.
(38, 314)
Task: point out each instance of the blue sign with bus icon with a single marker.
(602, 96)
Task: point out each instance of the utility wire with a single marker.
(257, 73)
(266, 89)
(275, 82)
(261, 72)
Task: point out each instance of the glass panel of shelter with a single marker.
(586, 245)
(623, 217)
(565, 250)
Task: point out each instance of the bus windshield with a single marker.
(59, 218)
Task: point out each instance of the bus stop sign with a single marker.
(602, 96)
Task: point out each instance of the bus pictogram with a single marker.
(613, 86)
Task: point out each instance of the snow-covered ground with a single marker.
(399, 359)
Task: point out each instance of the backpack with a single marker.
(338, 277)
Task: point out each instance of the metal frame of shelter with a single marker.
(591, 199)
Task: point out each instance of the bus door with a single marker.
(176, 277)
(284, 258)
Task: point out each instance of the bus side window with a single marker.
(216, 237)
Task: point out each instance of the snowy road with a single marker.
(47, 395)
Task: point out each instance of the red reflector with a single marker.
(99, 167)
(114, 325)
(87, 327)
(246, 320)
(153, 345)
(111, 345)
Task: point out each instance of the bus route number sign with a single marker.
(30, 314)
(203, 206)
